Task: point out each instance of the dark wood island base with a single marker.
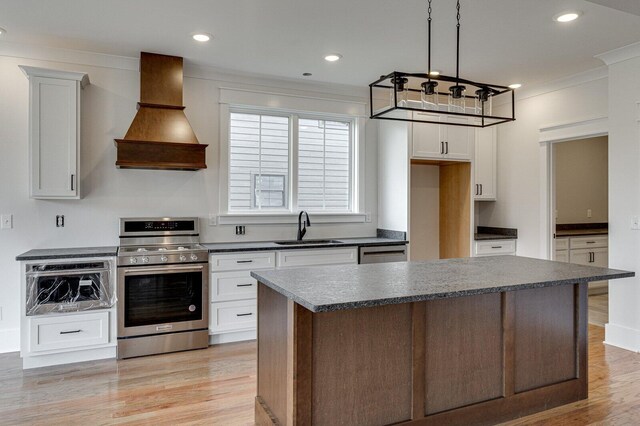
(477, 359)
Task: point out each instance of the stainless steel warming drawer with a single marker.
(383, 254)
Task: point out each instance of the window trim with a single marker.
(282, 216)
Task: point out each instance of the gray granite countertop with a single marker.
(271, 245)
(323, 289)
(68, 253)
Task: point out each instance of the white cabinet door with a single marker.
(590, 257)
(485, 164)
(562, 256)
(428, 139)
(54, 138)
(458, 139)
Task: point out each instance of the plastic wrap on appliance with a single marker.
(51, 290)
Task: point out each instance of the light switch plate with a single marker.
(589, 213)
(213, 219)
(367, 217)
(6, 221)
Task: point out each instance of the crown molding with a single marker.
(584, 77)
(29, 72)
(620, 54)
(191, 70)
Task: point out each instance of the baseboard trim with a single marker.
(68, 357)
(9, 340)
(622, 337)
(234, 336)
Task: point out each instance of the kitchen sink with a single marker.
(314, 242)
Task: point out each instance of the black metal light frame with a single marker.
(493, 90)
(483, 118)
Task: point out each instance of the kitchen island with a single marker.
(458, 341)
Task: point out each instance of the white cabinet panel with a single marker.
(495, 247)
(458, 139)
(562, 256)
(236, 285)
(427, 138)
(233, 316)
(562, 243)
(54, 132)
(440, 141)
(242, 261)
(299, 258)
(485, 164)
(69, 331)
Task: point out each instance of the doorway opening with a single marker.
(579, 211)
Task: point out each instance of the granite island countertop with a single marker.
(272, 245)
(324, 289)
(68, 253)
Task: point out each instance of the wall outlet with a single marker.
(6, 221)
(240, 230)
(589, 213)
(367, 217)
(635, 223)
(60, 221)
(213, 219)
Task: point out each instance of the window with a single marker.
(259, 161)
(264, 175)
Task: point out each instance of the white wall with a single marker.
(624, 202)
(520, 156)
(581, 179)
(109, 105)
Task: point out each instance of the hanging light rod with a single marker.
(398, 95)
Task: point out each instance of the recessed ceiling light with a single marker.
(515, 86)
(567, 16)
(333, 57)
(307, 74)
(2, 31)
(434, 73)
(202, 37)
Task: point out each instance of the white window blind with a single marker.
(324, 165)
(259, 161)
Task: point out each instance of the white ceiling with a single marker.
(503, 41)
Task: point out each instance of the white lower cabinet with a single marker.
(69, 331)
(233, 291)
(494, 248)
(585, 250)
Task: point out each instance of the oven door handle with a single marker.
(163, 270)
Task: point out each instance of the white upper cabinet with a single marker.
(442, 141)
(54, 132)
(485, 164)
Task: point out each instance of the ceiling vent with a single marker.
(160, 136)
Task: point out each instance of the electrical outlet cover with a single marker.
(6, 221)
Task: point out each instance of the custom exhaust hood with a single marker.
(160, 136)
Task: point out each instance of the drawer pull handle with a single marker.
(591, 242)
(496, 247)
(244, 261)
(71, 332)
(245, 315)
(244, 285)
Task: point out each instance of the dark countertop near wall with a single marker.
(494, 233)
(68, 253)
(581, 229)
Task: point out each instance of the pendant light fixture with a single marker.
(432, 97)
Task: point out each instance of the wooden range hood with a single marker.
(160, 136)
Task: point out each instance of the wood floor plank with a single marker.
(217, 386)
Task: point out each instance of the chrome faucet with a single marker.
(302, 225)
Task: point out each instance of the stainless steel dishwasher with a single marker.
(383, 254)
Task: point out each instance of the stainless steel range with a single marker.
(163, 287)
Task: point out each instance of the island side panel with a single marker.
(545, 337)
(272, 354)
(362, 366)
(464, 356)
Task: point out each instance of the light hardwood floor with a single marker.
(599, 309)
(216, 386)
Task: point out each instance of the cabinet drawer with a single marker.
(233, 316)
(495, 247)
(298, 258)
(236, 285)
(242, 261)
(589, 242)
(562, 243)
(69, 331)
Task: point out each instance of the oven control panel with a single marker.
(160, 259)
